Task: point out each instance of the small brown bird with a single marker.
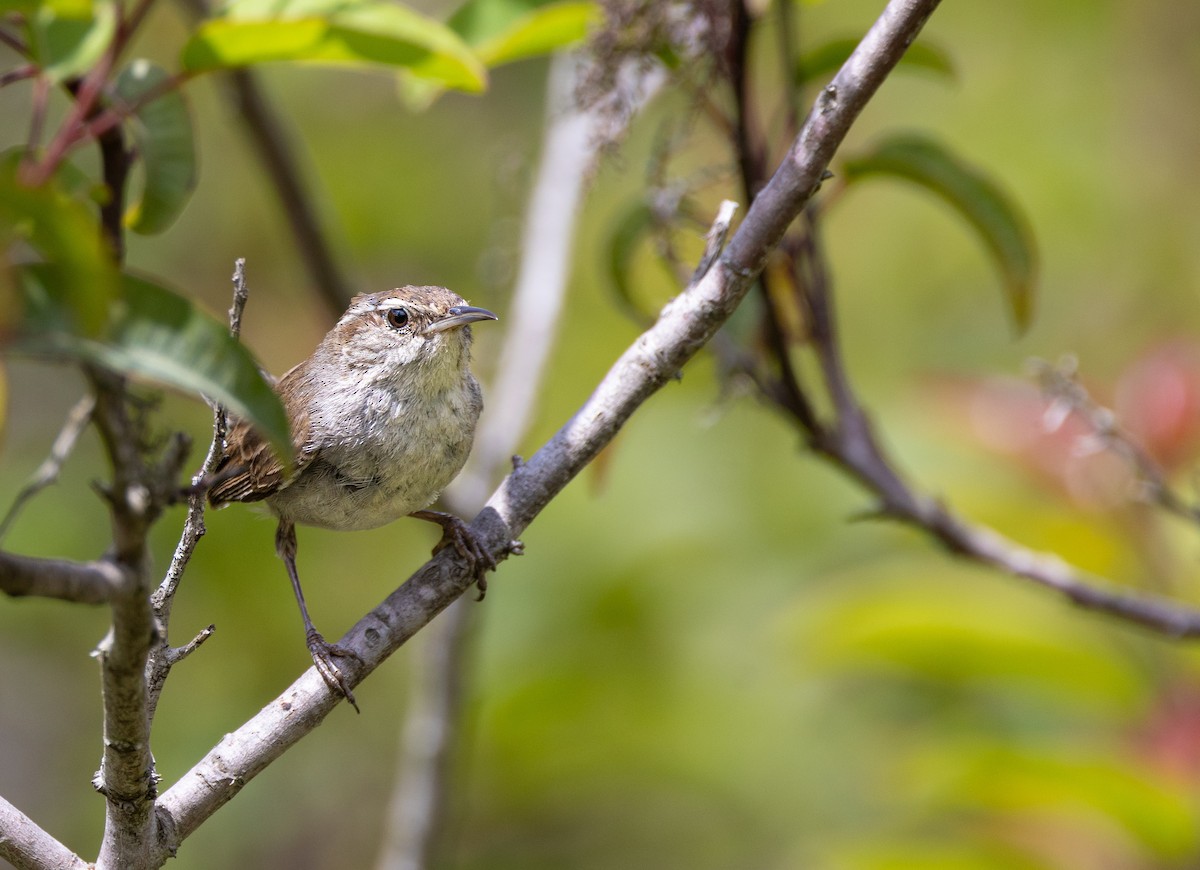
(383, 415)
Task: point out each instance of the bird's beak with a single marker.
(461, 315)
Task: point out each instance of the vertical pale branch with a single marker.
(417, 809)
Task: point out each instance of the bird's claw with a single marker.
(468, 545)
(457, 534)
(323, 652)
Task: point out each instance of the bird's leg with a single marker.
(457, 533)
(321, 650)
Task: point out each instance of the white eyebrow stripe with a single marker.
(367, 306)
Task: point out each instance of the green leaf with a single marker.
(503, 32)
(632, 228)
(1157, 812)
(66, 234)
(349, 34)
(899, 627)
(163, 129)
(156, 334)
(988, 208)
(24, 7)
(820, 65)
(69, 36)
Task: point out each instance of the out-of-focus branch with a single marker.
(82, 582)
(27, 847)
(849, 441)
(47, 473)
(1061, 385)
(417, 809)
(654, 359)
(417, 814)
(272, 145)
(274, 150)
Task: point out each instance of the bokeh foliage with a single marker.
(700, 662)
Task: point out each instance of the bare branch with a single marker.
(126, 777)
(47, 473)
(982, 544)
(241, 295)
(82, 582)
(1062, 386)
(163, 656)
(27, 847)
(850, 442)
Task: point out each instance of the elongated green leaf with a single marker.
(163, 129)
(632, 229)
(64, 231)
(355, 33)
(996, 218)
(70, 35)
(503, 31)
(1156, 811)
(1003, 645)
(155, 334)
(508, 31)
(819, 65)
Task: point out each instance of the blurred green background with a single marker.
(700, 662)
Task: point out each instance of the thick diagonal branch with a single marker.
(27, 847)
(654, 359)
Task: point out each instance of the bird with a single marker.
(382, 416)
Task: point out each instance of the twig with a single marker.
(1061, 385)
(272, 145)
(241, 295)
(14, 42)
(164, 656)
(47, 473)
(714, 241)
(849, 441)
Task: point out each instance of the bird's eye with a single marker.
(397, 317)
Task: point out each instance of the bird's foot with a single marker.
(323, 653)
(457, 534)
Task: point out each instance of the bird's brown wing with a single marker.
(249, 470)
